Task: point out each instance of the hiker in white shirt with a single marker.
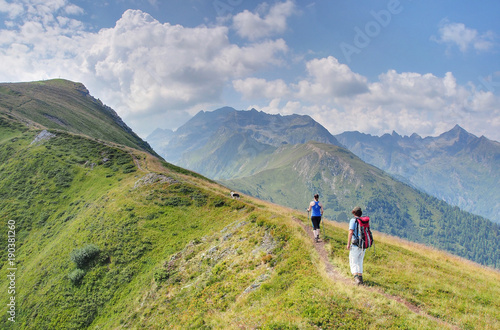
(356, 254)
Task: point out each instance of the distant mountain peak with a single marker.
(234, 136)
(395, 134)
(457, 129)
(223, 109)
(457, 135)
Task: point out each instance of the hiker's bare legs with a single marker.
(316, 234)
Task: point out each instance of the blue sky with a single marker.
(369, 65)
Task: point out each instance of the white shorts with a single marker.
(356, 256)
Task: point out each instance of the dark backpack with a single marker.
(365, 237)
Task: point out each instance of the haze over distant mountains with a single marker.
(221, 143)
(457, 166)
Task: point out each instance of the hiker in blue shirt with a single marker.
(356, 254)
(317, 213)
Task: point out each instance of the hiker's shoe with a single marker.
(360, 279)
(316, 239)
(357, 280)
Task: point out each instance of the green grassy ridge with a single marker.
(294, 173)
(66, 105)
(203, 293)
(50, 212)
(181, 254)
(10, 129)
(126, 224)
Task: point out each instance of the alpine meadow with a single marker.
(100, 232)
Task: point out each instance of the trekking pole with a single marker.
(310, 220)
(374, 249)
(323, 228)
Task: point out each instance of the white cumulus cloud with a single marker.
(265, 22)
(12, 10)
(254, 88)
(140, 67)
(169, 67)
(329, 79)
(457, 34)
(408, 102)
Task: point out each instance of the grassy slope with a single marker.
(65, 105)
(181, 254)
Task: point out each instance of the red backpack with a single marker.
(365, 237)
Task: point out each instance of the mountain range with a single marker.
(457, 167)
(100, 234)
(254, 153)
(221, 143)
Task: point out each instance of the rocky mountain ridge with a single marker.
(68, 106)
(221, 143)
(456, 166)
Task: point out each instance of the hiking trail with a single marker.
(137, 162)
(335, 275)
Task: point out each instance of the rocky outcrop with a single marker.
(43, 136)
(152, 178)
